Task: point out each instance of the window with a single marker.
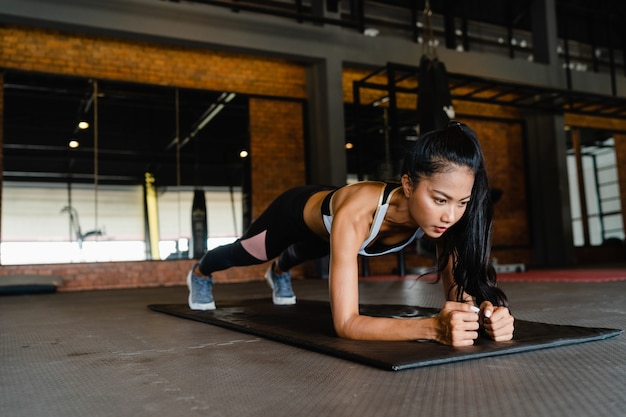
(594, 189)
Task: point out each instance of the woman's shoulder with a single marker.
(372, 187)
(367, 185)
(359, 194)
(363, 187)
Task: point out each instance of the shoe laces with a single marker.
(203, 287)
(282, 283)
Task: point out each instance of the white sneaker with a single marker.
(200, 292)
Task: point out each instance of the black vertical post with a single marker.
(401, 264)
(623, 37)
(465, 30)
(448, 25)
(359, 142)
(611, 57)
(246, 195)
(199, 227)
(357, 10)
(539, 29)
(414, 16)
(509, 27)
(393, 120)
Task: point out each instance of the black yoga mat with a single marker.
(308, 325)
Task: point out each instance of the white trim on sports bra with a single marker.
(379, 217)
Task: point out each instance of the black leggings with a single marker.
(280, 231)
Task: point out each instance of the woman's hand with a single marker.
(497, 321)
(457, 324)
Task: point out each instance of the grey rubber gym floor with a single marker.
(103, 353)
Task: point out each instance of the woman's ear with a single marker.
(407, 185)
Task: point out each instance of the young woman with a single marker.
(443, 195)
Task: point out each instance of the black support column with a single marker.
(548, 191)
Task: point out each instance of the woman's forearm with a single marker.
(362, 327)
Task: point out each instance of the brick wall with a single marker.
(503, 147)
(82, 55)
(276, 125)
(277, 149)
(114, 275)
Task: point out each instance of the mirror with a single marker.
(96, 170)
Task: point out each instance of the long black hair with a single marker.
(467, 244)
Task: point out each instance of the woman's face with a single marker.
(439, 201)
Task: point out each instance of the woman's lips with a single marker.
(440, 229)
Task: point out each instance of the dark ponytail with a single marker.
(467, 244)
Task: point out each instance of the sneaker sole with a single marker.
(197, 306)
(281, 301)
(284, 301)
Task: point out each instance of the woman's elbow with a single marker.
(345, 329)
(342, 332)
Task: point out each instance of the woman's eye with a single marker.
(440, 201)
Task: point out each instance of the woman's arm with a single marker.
(455, 325)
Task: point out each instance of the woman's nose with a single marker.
(449, 215)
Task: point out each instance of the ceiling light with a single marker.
(73, 144)
(371, 32)
(243, 154)
(83, 125)
(349, 145)
(381, 101)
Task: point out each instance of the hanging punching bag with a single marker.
(199, 228)
(434, 112)
(434, 101)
